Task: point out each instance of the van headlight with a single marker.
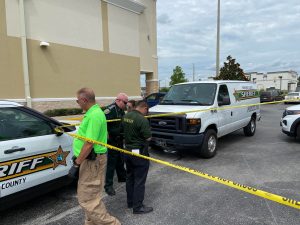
(292, 112)
(193, 125)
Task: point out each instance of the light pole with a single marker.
(218, 42)
(280, 78)
(193, 72)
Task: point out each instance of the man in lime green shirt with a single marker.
(91, 160)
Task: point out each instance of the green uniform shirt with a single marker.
(111, 112)
(93, 126)
(136, 129)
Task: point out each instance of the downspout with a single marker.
(24, 53)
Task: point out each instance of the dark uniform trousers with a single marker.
(137, 171)
(115, 161)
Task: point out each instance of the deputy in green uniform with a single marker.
(115, 159)
(137, 136)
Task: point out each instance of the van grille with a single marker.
(172, 124)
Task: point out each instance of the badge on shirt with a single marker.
(106, 111)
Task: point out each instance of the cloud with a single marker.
(261, 35)
(164, 19)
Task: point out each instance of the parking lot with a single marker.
(268, 161)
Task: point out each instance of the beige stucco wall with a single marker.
(67, 65)
(68, 22)
(11, 74)
(58, 71)
(148, 37)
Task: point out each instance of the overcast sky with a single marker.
(262, 35)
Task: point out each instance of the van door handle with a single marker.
(14, 149)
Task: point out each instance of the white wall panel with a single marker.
(68, 22)
(123, 29)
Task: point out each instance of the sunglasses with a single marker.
(123, 101)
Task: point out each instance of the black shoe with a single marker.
(142, 210)
(122, 180)
(110, 191)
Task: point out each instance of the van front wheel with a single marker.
(209, 146)
(250, 129)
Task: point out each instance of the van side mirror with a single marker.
(225, 101)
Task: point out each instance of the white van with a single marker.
(219, 115)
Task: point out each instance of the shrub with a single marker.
(63, 112)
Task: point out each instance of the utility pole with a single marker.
(193, 72)
(218, 42)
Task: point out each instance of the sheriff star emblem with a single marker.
(59, 158)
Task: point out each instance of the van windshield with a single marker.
(191, 94)
(267, 94)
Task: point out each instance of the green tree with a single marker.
(164, 89)
(231, 71)
(178, 76)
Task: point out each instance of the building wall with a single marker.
(123, 31)
(94, 45)
(264, 81)
(148, 45)
(69, 22)
(12, 84)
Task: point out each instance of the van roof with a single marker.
(216, 82)
(4, 103)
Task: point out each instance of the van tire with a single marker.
(298, 131)
(210, 143)
(250, 129)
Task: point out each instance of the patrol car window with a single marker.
(151, 97)
(223, 94)
(16, 124)
(191, 94)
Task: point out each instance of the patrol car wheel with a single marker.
(250, 129)
(209, 146)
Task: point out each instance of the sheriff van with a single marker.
(34, 157)
(213, 109)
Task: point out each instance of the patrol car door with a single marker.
(224, 115)
(30, 151)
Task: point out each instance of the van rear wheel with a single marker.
(298, 131)
(209, 146)
(250, 129)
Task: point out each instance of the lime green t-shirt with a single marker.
(93, 126)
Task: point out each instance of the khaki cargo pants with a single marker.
(89, 191)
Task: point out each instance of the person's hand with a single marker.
(74, 172)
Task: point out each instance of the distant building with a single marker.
(281, 80)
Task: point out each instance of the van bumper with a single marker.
(177, 141)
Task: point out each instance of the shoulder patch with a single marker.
(110, 107)
(106, 111)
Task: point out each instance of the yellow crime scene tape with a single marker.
(254, 191)
(189, 111)
(251, 190)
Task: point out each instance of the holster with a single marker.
(92, 155)
(145, 149)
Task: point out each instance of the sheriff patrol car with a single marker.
(34, 158)
(290, 121)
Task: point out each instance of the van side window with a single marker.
(223, 96)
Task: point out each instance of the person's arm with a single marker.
(85, 151)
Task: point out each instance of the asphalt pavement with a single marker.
(268, 161)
